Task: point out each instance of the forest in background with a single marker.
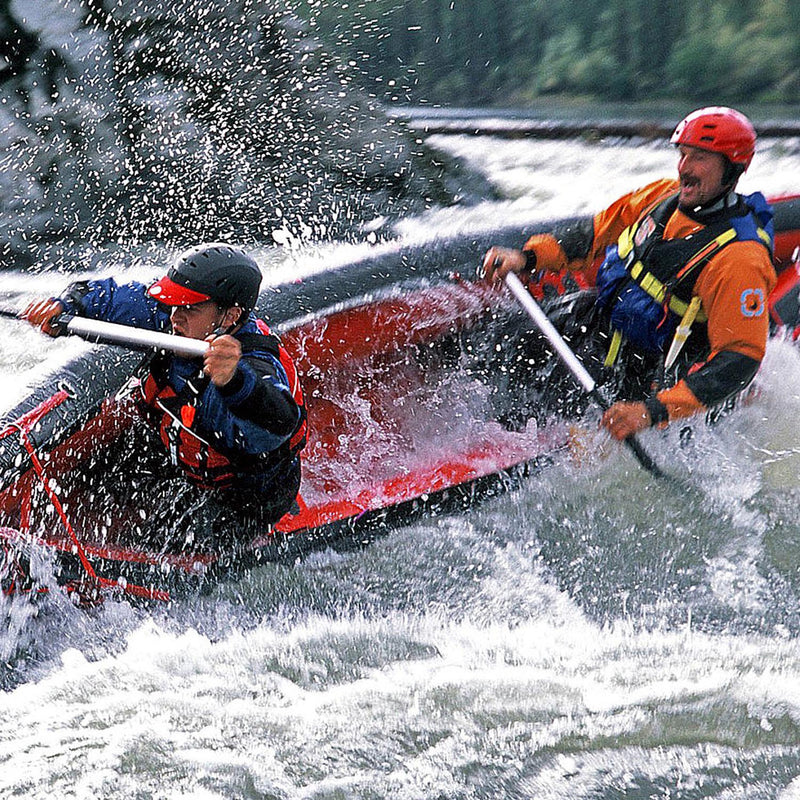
(512, 52)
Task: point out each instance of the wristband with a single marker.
(530, 260)
(72, 299)
(657, 411)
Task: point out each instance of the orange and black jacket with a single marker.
(733, 286)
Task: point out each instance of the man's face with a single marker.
(700, 173)
(197, 321)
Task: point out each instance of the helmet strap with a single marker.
(220, 331)
(732, 173)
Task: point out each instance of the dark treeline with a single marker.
(484, 52)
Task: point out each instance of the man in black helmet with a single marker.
(233, 426)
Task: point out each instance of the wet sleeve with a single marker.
(259, 393)
(719, 378)
(125, 304)
(576, 245)
(564, 248)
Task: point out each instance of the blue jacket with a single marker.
(251, 419)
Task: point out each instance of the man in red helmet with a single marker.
(675, 256)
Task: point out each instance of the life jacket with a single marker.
(199, 453)
(646, 282)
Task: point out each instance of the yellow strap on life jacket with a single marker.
(707, 251)
(625, 241)
(613, 348)
(688, 312)
(658, 292)
(655, 288)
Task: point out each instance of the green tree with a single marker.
(469, 52)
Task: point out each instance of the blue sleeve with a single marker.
(126, 304)
(256, 412)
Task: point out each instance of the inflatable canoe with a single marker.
(405, 361)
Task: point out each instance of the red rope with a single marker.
(23, 426)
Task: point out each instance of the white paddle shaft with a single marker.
(112, 333)
(549, 330)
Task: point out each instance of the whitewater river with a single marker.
(594, 635)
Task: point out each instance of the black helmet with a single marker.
(218, 272)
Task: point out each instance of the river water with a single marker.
(594, 635)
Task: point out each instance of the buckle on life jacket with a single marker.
(682, 332)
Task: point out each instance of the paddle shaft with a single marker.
(95, 330)
(574, 364)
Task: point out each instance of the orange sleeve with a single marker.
(607, 225)
(680, 401)
(550, 256)
(733, 288)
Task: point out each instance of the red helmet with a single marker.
(720, 130)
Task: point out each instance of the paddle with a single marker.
(574, 365)
(95, 330)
